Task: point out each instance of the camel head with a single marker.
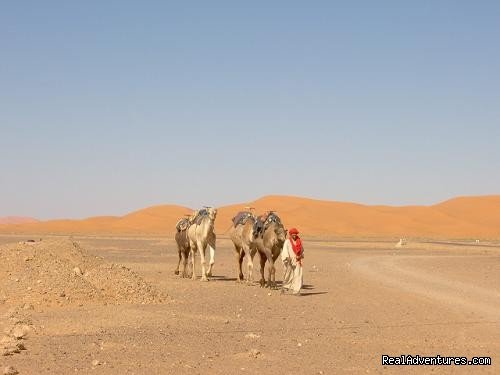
(280, 233)
(212, 213)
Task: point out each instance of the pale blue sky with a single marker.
(108, 107)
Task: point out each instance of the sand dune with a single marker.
(151, 220)
(464, 217)
(17, 220)
(456, 218)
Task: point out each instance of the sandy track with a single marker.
(402, 272)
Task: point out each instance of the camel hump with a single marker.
(182, 224)
(199, 216)
(263, 222)
(241, 218)
(273, 217)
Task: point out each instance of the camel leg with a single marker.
(272, 273)
(193, 253)
(268, 284)
(263, 260)
(212, 259)
(211, 248)
(239, 260)
(249, 268)
(176, 271)
(241, 256)
(202, 261)
(185, 255)
(189, 258)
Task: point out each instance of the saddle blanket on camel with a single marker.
(263, 222)
(241, 218)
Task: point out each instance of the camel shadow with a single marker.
(305, 287)
(279, 284)
(307, 294)
(222, 278)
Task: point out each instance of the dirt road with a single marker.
(360, 301)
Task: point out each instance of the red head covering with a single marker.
(297, 244)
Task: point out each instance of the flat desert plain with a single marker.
(125, 312)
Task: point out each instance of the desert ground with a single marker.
(123, 311)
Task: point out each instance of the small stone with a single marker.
(254, 353)
(28, 306)
(226, 321)
(62, 294)
(95, 362)
(16, 280)
(77, 271)
(299, 344)
(269, 294)
(9, 370)
(21, 346)
(252, 336)
(29, 288)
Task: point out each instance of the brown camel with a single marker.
(269, 246)
(242, 235)
(182, 240)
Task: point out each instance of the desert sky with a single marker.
(110, 108)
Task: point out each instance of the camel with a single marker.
(201, 234)
(242, 236)
(269, 246)
(182, 240)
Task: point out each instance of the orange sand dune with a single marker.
(151, 220)
(17, 220)
(456, 218)
(464, 217)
